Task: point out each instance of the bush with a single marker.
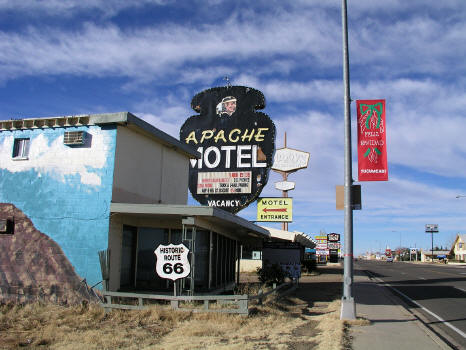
(271, 274)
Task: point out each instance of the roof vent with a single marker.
(74, 138)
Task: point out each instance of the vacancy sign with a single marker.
(372, 148)
(275, 209)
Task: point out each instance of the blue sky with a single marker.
(150, 57)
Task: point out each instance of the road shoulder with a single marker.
(391, 325)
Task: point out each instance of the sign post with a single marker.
(286, 161)
(172, 262)
(348, 307)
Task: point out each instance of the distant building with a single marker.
(458, 250)
(427, 255)
(251, 257)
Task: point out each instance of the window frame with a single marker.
(21, 148)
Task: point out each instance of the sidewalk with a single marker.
(392, 326)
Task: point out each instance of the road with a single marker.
(435, 293)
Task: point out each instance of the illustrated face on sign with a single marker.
(236, 143)
(227, 106)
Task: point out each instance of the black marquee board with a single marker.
(237, 144)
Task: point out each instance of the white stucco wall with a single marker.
(147, 172)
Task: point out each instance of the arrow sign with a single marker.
(280, 209)
(275, 209)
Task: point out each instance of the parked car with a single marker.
(389, 258)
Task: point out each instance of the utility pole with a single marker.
(348, 307)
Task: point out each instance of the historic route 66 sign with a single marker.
(172, 261)
(236, 144)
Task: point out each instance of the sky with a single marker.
(150, 57)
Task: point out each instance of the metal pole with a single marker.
(285, 193)
(432, 251)
(348, 307)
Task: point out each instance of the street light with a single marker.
(460, 195)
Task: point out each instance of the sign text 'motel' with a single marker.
(236, 144)
(275, 209)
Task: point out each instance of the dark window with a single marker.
(21, 148)
(7, 226)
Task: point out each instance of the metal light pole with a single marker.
(348, 307)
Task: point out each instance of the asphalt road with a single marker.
(435, 293)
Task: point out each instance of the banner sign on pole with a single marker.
(372, 148)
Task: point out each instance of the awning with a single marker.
(208, 218)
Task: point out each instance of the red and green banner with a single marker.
(372, 146)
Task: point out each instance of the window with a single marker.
(21, 149)
(7, 226)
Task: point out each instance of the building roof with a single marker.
(120, 118)
(436, 252)
(292, 236)
(203, 216)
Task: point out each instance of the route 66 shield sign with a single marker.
(172, 261)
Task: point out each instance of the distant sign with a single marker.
(275, 209)
(333, 237)
(333, 245)
(288, 160)
(431, 228)
(322, 252)
(284, 185)
(172, 261)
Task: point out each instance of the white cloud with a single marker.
(57, 160)
(68, 8)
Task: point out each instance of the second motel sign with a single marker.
(275, 209)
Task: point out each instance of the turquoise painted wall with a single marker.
(65, 191)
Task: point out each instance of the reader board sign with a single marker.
(286, 254)
(372, 144)
(224, 182)
(172, 261)
(236, 143)
(275, 209)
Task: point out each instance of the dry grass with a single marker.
(301, 320)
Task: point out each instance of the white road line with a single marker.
(461, 289)
(460, 332)
(422, 278)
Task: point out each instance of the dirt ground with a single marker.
(307, 318)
